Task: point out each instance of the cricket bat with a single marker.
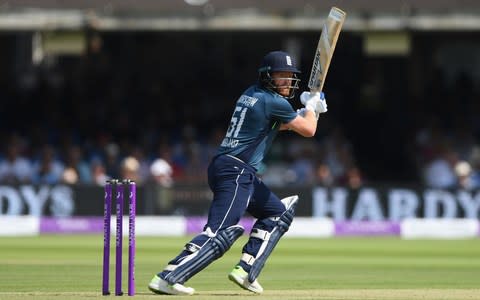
(326, 46)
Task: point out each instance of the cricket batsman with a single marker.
(259, 114)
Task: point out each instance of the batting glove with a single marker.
(315, 102)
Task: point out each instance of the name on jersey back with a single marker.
(247, 100)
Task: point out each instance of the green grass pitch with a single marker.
(69, 267)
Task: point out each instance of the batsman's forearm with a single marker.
(312, 118)
(311, 124)
(304, 125)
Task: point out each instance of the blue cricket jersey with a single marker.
(255, 123)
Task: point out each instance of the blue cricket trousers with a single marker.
(237, 189)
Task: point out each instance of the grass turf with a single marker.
(69, 267)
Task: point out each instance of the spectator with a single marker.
(475, 163)
(14, 168)
(47, 169)
(302, 167)
(303, 171)
(323, 175)
(463, 171)
(129, 169)
(354, 178)
(76, 169)
(439, 172)
(144, 165)
(70, 176)
(98, 171)
(112, 160)
(165, 152)
(162, 172)
(338, 155)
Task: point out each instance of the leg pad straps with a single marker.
(270, 239)
(212, 250)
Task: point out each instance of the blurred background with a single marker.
(144, 89)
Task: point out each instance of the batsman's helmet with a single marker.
(278, 61)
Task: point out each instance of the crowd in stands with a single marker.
(447, 159)
(302, 162)
(293, 161)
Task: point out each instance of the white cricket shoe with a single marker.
(240, 277)
(160, 286)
